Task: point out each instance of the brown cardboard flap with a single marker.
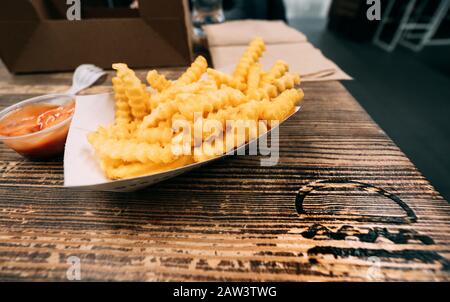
(153, 40)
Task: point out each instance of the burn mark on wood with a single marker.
(331, 184)
(406, 255)
(403, 236)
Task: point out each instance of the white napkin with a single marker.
(241, 32)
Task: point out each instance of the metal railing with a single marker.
(412, 32)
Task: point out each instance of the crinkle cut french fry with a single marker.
(281, 106)
(159, 135)
(157, 81)
(288, 81)
(135, 169)
(174, 91)
(123, 110)
(253, 80)
(162, 112)
(138, 97)
(250, 57)
(276, 71)
(226, 79)
(268, 91)
(120, 131)
(194, 72)
(131, 150)
(226, 97)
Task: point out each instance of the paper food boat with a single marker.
(81, 167)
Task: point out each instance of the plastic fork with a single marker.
(85, 76)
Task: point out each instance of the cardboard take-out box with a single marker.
(36, 36)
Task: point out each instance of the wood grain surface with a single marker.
(344, 203)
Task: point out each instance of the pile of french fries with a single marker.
(195, 118)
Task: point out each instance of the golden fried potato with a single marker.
(194, 118)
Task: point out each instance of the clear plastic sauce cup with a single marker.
(49, 141)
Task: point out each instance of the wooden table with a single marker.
(344, 203)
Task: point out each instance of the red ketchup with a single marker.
(33, 119)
